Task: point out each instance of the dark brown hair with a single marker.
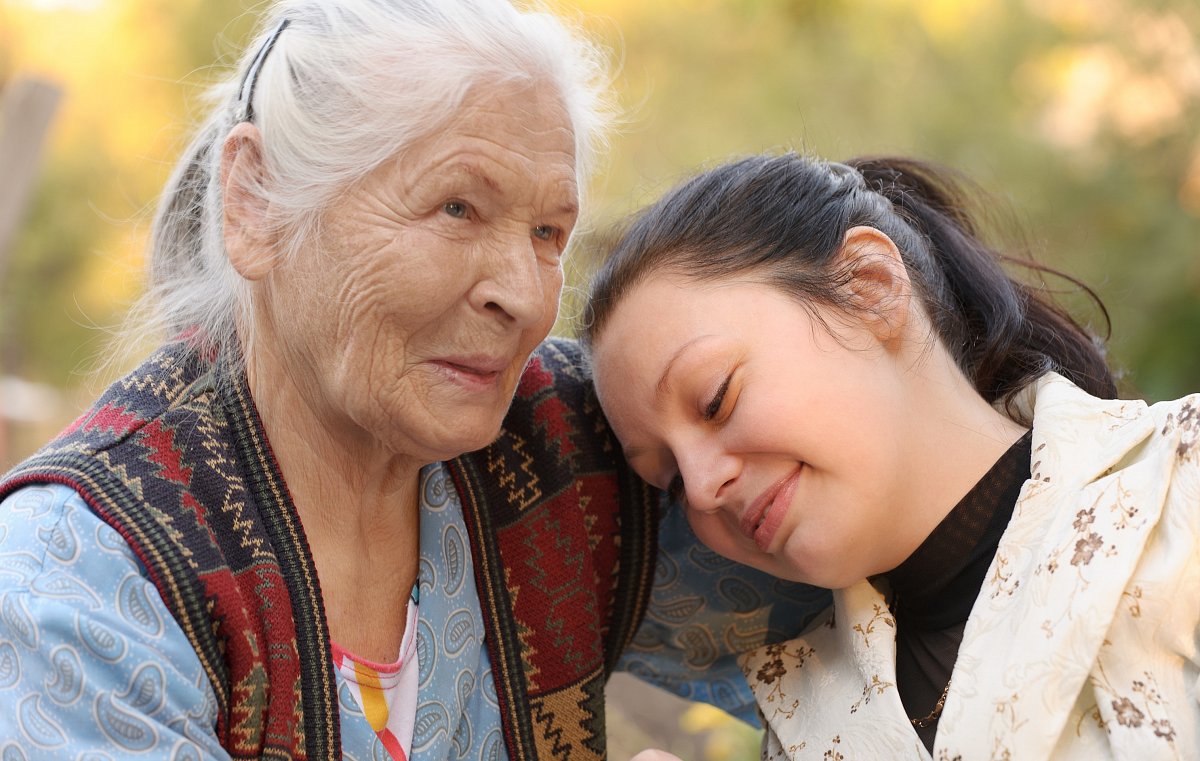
(782, 219)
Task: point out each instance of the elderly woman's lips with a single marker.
(473, 372)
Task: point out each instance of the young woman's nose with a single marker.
(708, 473)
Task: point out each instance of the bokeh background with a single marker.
(1080, 117)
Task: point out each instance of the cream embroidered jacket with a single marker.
(1084, 642)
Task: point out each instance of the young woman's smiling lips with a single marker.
(762, 518)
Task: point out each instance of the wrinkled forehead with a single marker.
(508, 132)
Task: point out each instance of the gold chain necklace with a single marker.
(933, 715)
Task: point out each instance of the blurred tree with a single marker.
(130, 70)
(1079, 114)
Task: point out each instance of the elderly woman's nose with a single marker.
(512, 283)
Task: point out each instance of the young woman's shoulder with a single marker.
(1179, 423)
(1180, 420)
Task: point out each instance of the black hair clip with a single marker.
(250, 78)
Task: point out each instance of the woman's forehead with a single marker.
(517, 133)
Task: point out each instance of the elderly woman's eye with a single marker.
(545, 232)
(456, 209)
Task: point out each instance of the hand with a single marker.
(652, 754)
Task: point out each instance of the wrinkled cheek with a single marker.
(366, 314)
(372, 362)
(553, 290)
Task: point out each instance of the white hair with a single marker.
(345, 86)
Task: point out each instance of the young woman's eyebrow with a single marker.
(664, 379)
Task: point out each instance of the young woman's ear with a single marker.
(250, 249)
(880, 289)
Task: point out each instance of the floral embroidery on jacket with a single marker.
(1187, 421)
(1142, 706)
(1074, 648)
(772, 671)
(875, 686)
(882, 616)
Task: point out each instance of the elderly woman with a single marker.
(267, 540)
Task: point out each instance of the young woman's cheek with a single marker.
(714, 531)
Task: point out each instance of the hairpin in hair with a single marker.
(250, 78)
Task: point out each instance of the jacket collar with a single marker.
(1071, 425)
(1097, 489)
(1098, 484)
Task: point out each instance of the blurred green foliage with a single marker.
(1080, 115)
(1081, 118)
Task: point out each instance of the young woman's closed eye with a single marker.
(713, 408)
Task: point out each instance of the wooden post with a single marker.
(27, 107)
(26, 110)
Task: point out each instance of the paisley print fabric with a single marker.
(386, 693)
(1084, 642)
(706, 609)
(91, 661)
(457, 714)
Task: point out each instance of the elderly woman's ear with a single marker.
(249, 246)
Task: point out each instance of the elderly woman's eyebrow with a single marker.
(459, 169)
(473, 171)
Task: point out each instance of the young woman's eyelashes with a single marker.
(714, 405)
(675, 489)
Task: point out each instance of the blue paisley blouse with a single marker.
(93, 666)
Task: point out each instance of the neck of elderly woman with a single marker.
(356, 499)
(331, 464)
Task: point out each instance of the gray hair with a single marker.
(346, 86)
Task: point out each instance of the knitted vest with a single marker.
(562, 537)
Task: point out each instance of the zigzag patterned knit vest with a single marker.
(562, 536)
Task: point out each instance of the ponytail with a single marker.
(193, 290)
(785, 217)
(1004, 333)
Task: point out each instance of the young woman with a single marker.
(847, 389)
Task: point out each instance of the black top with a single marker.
(935, 589)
